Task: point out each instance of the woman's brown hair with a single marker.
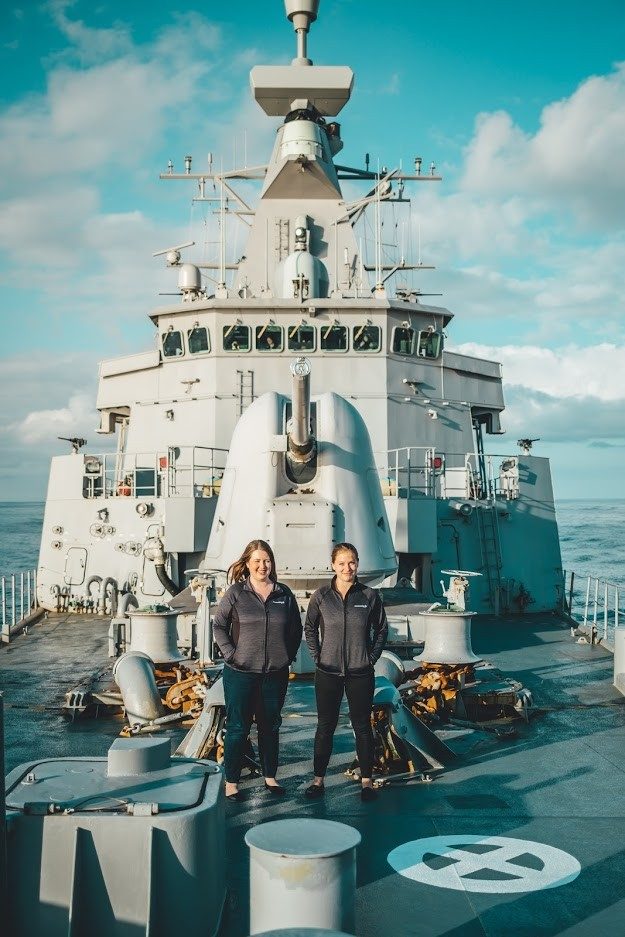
(239, 570)
(345, 548)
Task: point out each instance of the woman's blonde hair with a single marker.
(239, 570)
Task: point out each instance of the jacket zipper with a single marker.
(345, 636)
(265, 668)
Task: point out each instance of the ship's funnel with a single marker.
(301, 439)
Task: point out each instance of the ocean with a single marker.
(591, 537)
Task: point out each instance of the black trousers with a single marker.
(329, 690)
(248, 695)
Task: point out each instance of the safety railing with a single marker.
(175, 472)
(413, 470)
(18, 598)
(596, 604)
(408, 471)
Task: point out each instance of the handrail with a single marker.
(177, 471)
(18, 592)
(405, 470)
(601, 604)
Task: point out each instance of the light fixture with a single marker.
(169, 414)
(103, 514)
(187, 164)
(417, 165)
(144, 509)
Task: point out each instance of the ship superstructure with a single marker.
(302, 288)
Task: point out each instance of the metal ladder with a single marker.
(490, 544)
(245, 390)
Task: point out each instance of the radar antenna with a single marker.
(173, 253)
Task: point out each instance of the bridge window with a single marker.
(269, 338)
(236, 337)
(429, 344)
(172, 344)
(198, 340)
(403, 340)
(301, 338)
(366, 338)
(334, 338)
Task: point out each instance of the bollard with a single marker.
(302, 874)
(447, 637)
(154, 634)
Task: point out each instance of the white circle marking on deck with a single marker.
(487, 864)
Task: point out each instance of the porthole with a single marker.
(236, 337)
(301, 337)
(366, 338)
(429, 344)
(198, 340)
(172, 344)
(403, 340)
(269, 338)
(334, 338)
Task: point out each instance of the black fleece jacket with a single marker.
(254, 635)
(346, 635)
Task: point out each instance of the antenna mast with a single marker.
(302, 13)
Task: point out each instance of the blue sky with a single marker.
(521, 107)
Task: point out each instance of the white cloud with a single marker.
(583, 419)
(42, 426)
(572, 158)
(88, 43)
(572, 393)
(573, 371)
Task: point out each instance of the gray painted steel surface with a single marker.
(447, 638)
(129, 845)
(302, 873)
(154, 634)
(134, 674)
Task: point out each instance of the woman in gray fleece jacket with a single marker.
(258, 629)
(346, 630)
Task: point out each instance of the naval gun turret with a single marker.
(301, 442)
(301, 474)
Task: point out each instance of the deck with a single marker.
(559, 782)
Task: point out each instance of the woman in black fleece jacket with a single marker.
(346, 630)
(258, 629)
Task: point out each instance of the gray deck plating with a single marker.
(559, 782)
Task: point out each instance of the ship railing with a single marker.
(596, 605)
(479, 476)
(18, 600)
(407, 472)
(412, 470)
(175, 472)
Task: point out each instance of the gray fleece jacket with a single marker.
(254, 635)
(346, 635)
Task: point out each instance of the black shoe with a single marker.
(275, 789)
(237, 797)
(368, 794)
(315, 791)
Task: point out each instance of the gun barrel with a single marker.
(301, 440)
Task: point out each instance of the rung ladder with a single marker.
(490, 544)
